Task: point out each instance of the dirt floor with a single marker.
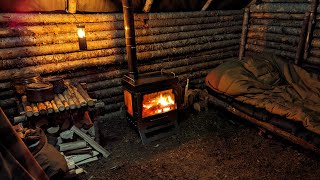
(210, 145)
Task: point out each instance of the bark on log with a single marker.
(281, 7)
(5, 85)
(6, 94)
(78, 96)
(49, 107)
(104, 84)
(112, 107)
(85, 95)
(114, 91)
(315, 43)
(275, 29)
(69, 99)
(35, 109)
(261, 49)
(111, 116)
(314, 60)
(287, 16)
(294, 40)
(302, 40)
(276, 22)
(100, 76)
(54, 106)
(59, 103)
(114, 99)
(8, 102)
(315, 52)
(311, 27)
(26, 106)
(273, 45)
(64, 101)
(42, 108)
(201, 106)
(244, 34)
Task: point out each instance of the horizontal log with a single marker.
(273, 45)
(314, 60)
(99, 94)
(6, 94)
(86, 18)
(275, 29)
(112, 100)
(99, 76)
(285, 1)
(104, 26)
(104, 84)
(111, 116)
(290, 39)
(11, 102)
(112, 107)
(315, 53)
(189, 21)
(277, 22)
(316, 43)
(50, 68)
(316, 33)
(281, 7)
(261, 49)
(5, 85)
(287, 16)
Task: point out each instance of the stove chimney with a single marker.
(130, 38)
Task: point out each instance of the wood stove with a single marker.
(152, 105)
(151, 100)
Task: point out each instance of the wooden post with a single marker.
(302, 40)
(147, 6)
(206, 5)
(244, 33)
(311, 25)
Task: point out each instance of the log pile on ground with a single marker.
(188, 44)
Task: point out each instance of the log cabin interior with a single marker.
(143, 89)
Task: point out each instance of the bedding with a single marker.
(267, 81)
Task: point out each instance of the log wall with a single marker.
(275, 26)
(188, 44)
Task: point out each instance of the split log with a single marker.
(42, 108)
(277, 22)
(72, 145)
(64, 101)
(66, 95)
(26, 106)
(92, 143)
(85, 95)
(192, 96)
(273, 45)
(95, 158)
(281, 7)
(275, 29)
(49, 106)
(54, 106)
(244, 34)
(288, 16)
(35, 109)
(294, 40)
(261, 49)
(59, 103)
(147, 6)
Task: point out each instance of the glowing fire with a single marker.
(157, 103)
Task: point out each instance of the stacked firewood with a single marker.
(72, 98)
(198, 99)
(78, 146)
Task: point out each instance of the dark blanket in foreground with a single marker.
(266, 81)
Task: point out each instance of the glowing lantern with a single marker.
(82, 37)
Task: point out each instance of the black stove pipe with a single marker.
(130, 38)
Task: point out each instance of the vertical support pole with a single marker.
(130, 38)
(302, 39)
(147, 6)
(244, 33)
(312, 21)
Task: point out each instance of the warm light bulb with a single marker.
(81, 33)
